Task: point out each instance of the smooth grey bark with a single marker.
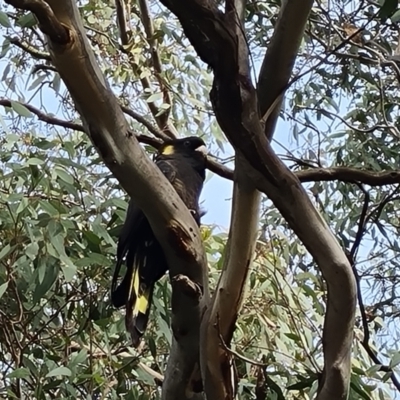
(108, 130)
(235, 103)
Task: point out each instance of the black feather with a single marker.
(138, 248)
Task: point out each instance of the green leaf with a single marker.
(19, 373)
(164, 328)
(69, 272)
(393, 362)
(4, 21)
(360, 391)
(32, 250)
(21, 109)
(58, 243)
(22, 205)
(154, 97)
(99, 259)
(5, 251)
(3, 288)
(387, 9)
(60, 371)
(50, 277)
(27, 21)
(65, 176)
(35, 161)
(120, 203)
(395, 18)
(79, 358)
(144, 376)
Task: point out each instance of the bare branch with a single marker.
(29, 49)
(160, 118)
(155, 56)
(365, 341)
(220, 322)
(122, 20)
(343, 174)
(351, 175)
(212, 164)
(278, 62)
(43, 67)
(151, 128)
(217, 362)
(45, 117)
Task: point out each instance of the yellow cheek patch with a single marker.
(168, 150)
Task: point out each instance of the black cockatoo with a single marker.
(183, 162)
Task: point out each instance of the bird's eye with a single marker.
(186, 143)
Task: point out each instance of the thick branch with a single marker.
(48, 23)
(104, 122)
(278, 62)
(226, 304)
(217, 363)
(235, 103)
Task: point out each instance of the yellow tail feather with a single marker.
(142, 300)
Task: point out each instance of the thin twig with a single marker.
(35, 53)
(155, 56)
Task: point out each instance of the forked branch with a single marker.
(236, 106)
(104, 122)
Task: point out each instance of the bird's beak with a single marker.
(203, 150)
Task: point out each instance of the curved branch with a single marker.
(45, 117)
(104, 122)
(236, 107)
(48, 23)
(365, 341)
(278, 62)
(351, 175)
(218, 325)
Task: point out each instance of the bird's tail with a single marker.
(138, 307)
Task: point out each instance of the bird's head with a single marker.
(187, 146)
